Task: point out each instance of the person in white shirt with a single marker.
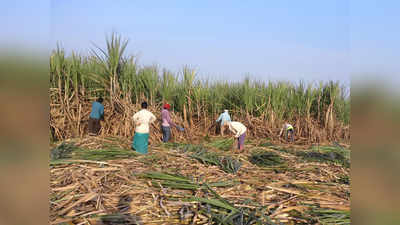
(239, 131)
(288, 129)
(142, 120)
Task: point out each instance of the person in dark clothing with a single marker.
(96, 115)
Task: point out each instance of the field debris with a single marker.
(265, 158)
(62, 151)
(170, 186)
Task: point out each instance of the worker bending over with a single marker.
(289, 130)
(239, 131)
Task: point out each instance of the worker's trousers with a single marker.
(291, 132)
(166, 133)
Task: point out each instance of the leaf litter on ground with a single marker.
(194, 192)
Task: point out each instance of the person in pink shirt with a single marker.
(167, 123)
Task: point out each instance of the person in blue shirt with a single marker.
(223, 118)
(96, 115)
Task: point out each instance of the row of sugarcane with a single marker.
(112, 74)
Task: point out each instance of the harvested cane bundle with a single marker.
(62, 151)
(330, 217)
(225, 163)
(230, 165)
(221, 211)
(177, 181)
(121, 219)
(193, 148)
(330, 156)
(223, 144)
(185, 147)
(208, 158)
(216, 208)
(265, 159)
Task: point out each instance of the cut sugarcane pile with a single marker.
(225, 163)
(223, 144)
(265, 158)
(170, 186)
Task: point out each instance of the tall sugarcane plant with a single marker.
(110, 60)
(109, 72)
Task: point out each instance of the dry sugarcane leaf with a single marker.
(66, 188)
(288, 209)
(115, 183)
(286, 190)
(104, 169)
(86, 198)
(335, 206)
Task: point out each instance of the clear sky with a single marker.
(225, 39)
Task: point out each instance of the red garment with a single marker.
(167, 106)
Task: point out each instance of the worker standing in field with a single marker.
(142, 120)
(96, 115)
(289, 130)
(167, 123)
(239, 130)
(223, 118)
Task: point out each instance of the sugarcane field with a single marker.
(141, 144)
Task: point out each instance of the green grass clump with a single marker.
(265, 158)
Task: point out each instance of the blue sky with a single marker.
(280, 40)
(223, 39)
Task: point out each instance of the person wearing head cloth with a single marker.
(288, 129)
(223, 118)
(142, 120)
(167, 123)
(239, 131)
(95, 116)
